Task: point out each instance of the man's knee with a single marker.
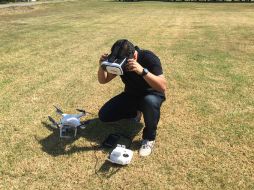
(152, 101)
(103, 116)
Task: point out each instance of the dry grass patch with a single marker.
(18, 10)
(49, 55)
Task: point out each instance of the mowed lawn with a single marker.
(49, 56)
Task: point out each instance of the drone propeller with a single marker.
(58, 110)
(53, 121)
(82, 111)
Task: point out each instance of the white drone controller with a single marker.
(121, 155)
(69, 123)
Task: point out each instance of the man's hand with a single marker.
(103, 76)
(103, 58)
(133, 65)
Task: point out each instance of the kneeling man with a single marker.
(144, 90)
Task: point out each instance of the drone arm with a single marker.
(53, 121)
(58, 110)
(81, 115)
(84, 112)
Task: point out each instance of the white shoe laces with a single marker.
(147, 144)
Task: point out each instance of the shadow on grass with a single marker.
(95, 132)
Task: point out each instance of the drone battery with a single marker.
(111, 140)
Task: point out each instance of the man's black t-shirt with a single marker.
(136, 84)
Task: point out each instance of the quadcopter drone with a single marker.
(69, 123)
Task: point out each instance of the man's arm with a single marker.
(158, 83)
(103, 76)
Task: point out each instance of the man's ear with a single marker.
(135, 56)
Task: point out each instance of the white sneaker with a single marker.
(146, 147)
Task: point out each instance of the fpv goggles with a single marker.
(118, 58)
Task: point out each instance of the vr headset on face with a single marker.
(115, 67)
(117, 60)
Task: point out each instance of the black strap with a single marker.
(126, 137)
(119, 135)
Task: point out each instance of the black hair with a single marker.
(123, 48)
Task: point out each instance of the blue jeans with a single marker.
(125, 106)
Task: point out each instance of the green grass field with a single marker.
(49, 56)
